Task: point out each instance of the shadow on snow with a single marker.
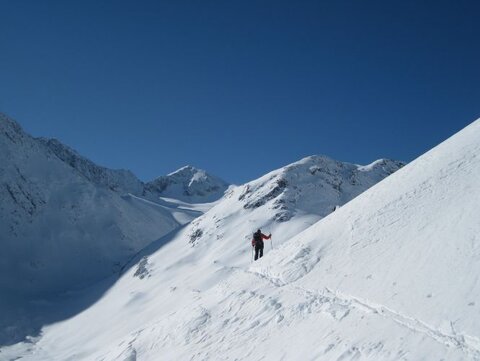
(23, 319)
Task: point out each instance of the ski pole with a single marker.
(251, 259)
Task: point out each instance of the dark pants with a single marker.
(258, 252)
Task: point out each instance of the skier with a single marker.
(257, 242)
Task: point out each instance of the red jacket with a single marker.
(263, 237)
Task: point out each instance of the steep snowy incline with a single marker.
(184, 285)
(404, 255)
(56, 222)
(393, 275)
(62, 225)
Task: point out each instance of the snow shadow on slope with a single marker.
(22, 319)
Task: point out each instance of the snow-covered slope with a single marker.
(56, 221)
(179, 298)
(66, 222)
(285, 202)
(189, 184)
(393, 275)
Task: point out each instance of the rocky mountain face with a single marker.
(315, 184)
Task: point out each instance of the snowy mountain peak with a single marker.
(387, 165)
(315, 184)
(186, 170)
(189, 184)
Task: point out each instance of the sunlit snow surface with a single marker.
(392, 275)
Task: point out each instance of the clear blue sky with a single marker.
(240, 88)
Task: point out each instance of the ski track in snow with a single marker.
(339, 305)
(332, 303)
(468, 344)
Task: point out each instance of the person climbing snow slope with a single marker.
(257, 242)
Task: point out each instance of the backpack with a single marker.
(257, 237)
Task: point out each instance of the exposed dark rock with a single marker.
(142, 270)
(279, 187)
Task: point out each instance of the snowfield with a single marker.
(390, 275)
